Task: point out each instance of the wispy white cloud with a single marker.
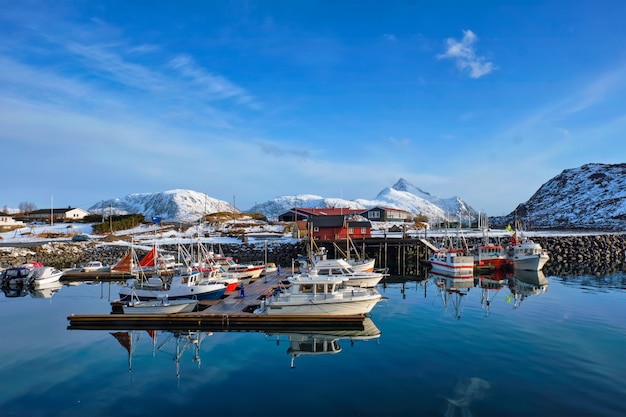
(215, 85)
(271, 149)
(464, 55)
(390, 37)
(401, 143)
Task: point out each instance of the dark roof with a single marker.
(55, 211)
(338, 221)
(330, 211)
(390, 209)
(327, 221)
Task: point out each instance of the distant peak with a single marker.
(404, 185)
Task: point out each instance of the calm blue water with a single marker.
(556, 351)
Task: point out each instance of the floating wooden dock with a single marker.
(78, 276)
(232, 313)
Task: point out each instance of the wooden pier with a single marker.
(231, 313)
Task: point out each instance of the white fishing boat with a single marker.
(184, 283)
(313, 294)
(525, 254)
(452, 262)
(528, 255)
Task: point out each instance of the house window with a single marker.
(375, 215)
(363, 230)
(351, 230)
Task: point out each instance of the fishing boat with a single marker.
(452, 262)
(313, 294)
(184, 283)
(525, 254)
(490, 256)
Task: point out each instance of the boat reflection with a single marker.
(306, 343)
(453, 289)
(173, 343)
(523, 284)
(45, 290)
(491, 285)
(21, 289)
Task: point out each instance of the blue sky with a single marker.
(250, 100)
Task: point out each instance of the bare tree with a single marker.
(27, 207)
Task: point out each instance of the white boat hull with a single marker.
(531, 262)
(346, 307)
(157, 307)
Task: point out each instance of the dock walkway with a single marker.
(233, 312)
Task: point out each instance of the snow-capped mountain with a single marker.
(277, 206)
(173, 205)
(592, 196)
(402, 195)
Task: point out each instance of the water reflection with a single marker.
(453, 290)
(524, 284)
(173, 343)
(491, 285)
(306, 343)
(14, 289)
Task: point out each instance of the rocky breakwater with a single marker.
(68, 255)
(569, 255)
(584, 254)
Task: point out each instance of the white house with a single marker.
(7, 222)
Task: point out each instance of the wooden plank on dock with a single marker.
(213, 322)
(78, 276)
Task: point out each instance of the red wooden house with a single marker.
(338, 227)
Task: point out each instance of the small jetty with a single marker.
(79, 276)
(234, 312)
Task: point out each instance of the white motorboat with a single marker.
(313, 294)
(44, 276)
(95, 266)
(249, 271)
(162, 306)
(184, 283)
(341, 267)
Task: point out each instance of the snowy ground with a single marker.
(259, 234)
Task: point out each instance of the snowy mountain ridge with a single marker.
(592, 196)
(189, 205)
(173, 205)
